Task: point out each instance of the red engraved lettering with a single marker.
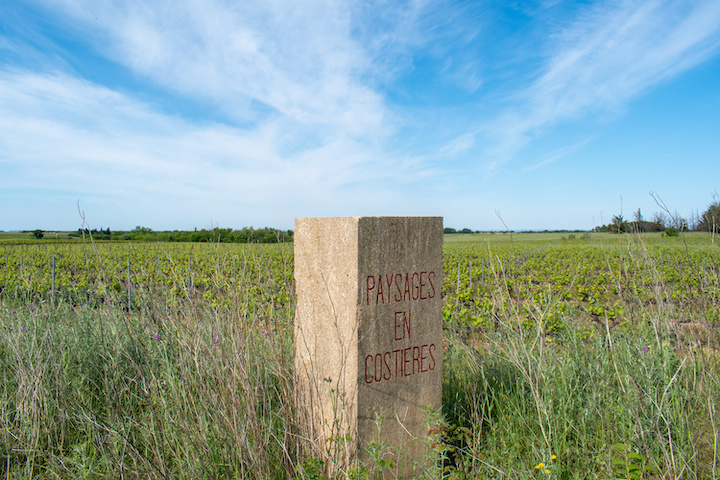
(432, 357)
(387, 366)
(431, 294)
(422, 286)
(406, 325)
(406, 297)
(398, 363)
(378, 364)
(423, 357)
(389, 279)
(370, 378)
(399, 294)
(406, 360)
(370, 287)
(380, 292)
(399, 326)
(415, 286)
(416, 360)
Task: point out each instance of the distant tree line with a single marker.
(464, 230)
(449, 230)
(96, 234)
(671, 224)
(216, 235)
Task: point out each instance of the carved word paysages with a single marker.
(407, 359)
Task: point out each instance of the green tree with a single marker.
(710, 221)
(38, 233)
(638, 223)
(637, 216)
(618, 224)
(140, 233)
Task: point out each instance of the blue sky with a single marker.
(186, 113)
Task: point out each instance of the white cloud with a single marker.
(615, 53)
(605, 57)
(458, 145)
(60, 133)
(305, 92)
(298, 84)
(554, 156)
(297, 58)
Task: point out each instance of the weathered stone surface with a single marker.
(368, 335)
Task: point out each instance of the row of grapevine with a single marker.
(256, 276)
(616, 280)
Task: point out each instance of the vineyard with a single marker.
(623, 280)
(137, 275)
(589, 354)
(603, 277)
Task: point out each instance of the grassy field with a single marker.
(567, 356)
(12, 237)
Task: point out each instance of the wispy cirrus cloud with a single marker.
(63, 134)
(601, 59)
(612, 53)
(252, 59)
(300, 114)
(327, 106)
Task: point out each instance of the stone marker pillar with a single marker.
(368, 336)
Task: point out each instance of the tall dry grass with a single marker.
(583, 397)
(202, 388)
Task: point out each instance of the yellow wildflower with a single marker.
(539, 466)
